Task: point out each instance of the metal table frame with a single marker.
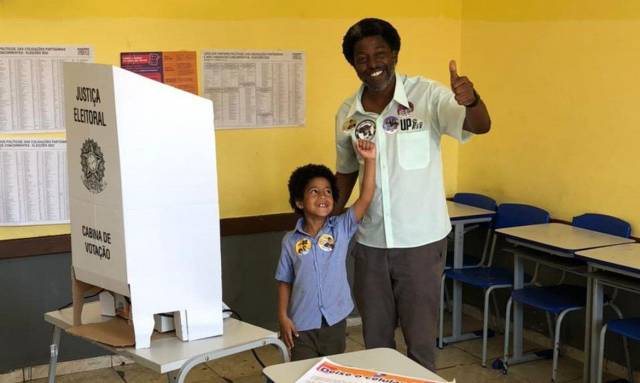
(168, 354)
(469, 215)
(601, 274)
(559, 257)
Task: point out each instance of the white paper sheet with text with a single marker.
(31, 86)
(33, 182)
(255, 89)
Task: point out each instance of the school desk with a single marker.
(554, 245)
(615, 266)
(460, 216)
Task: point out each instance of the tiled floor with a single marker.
(460, 361)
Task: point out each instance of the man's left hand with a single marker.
(461, 86)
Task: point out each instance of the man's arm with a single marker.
(345, 183)
(477, 118)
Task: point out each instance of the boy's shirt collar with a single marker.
(329, 222)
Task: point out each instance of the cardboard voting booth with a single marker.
(143, 198)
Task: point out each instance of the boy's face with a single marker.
(317, 201)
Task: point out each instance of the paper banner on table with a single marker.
(326, 371)
(177, 69)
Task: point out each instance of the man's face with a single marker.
(375, 62)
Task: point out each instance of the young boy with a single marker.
(314, 297)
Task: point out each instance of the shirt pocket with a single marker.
(413, 149)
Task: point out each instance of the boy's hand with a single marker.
(366, 149)
(288, 331)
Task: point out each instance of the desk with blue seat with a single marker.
(619, 267)
(460, 216)
(554, 245)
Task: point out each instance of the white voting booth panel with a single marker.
(143, 197)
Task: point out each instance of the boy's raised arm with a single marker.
(367, 151)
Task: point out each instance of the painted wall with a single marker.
(253, 165)
(561, 82)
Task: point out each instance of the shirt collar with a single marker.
(330, 222)
(399, 96)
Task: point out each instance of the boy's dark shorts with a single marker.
(327, 340)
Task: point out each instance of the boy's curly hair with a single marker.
(300, 178)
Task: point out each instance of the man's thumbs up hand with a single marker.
(461, 86)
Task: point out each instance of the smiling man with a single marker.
(398, 254)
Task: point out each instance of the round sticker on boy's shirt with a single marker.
(391, 124)
(366, 130)
(326, 242)
(349, 124)
(303, 246)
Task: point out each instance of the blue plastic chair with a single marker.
(562, 299)
(483, 202)
(485, 276)
(628, 328)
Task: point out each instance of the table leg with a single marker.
(586, 369)
(596, 323)
(179, 376)
(518, 283)
(456, 310)
(283, 349)
(458, 246)
(518, 333)
(53, 353)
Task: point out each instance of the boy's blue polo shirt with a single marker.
(316, 268)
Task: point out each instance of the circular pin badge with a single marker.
(326, 242)
(303, 246)
(404, 111)
(366, 130)
(391, 124)
(349, 124)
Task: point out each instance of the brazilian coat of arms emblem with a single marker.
(92, 162)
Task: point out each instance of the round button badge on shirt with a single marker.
(366, 130)
(303, 246)
(391, 124)
(326, 242)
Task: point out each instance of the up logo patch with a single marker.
(366, 130)
(303, 246)
(326, 242)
